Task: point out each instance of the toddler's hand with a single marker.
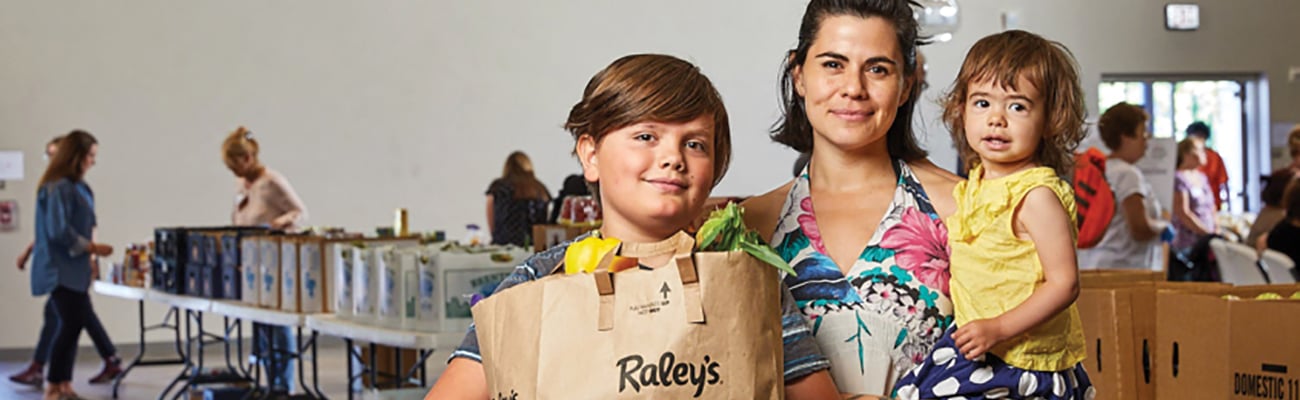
(977, 337)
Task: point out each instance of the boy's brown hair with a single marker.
(1046, 64)
(650, 87)
(1120, 120)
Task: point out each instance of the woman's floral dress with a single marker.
(879, 320)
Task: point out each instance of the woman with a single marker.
(1131, 240)
(1285, 237)
(516, 201)
(34, 373)
(65, 224)
(1193, 197)
(873, 256)
(263, 197)
(1274, 211)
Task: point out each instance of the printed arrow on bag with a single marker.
(664, 290)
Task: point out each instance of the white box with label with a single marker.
(462, 278)
(250, 269)
(290, 287)
(269, 275)
(387, 278)
(314, 278)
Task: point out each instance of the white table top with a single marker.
(241, 310)
(179, 301)
(120, 291)
(367, 332)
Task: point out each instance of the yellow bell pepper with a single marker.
(584, 256)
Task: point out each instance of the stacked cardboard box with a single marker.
(1132, 320)
(1118, 309)
(1210, 347)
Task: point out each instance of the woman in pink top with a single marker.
(263, 198)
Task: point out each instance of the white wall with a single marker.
(369, 106)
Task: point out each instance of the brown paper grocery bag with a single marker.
(707, 325)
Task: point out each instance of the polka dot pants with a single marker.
(946, 374)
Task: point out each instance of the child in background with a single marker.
(652, 135)
(1017, 110)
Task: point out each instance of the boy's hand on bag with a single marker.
(977, 337)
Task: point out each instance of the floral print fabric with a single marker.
(880, 319)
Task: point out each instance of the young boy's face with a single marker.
(654, 176)
(1004, 126)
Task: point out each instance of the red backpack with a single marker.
(1092, 195)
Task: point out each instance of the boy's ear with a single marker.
(586, 151)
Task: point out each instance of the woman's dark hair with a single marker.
(1291, 200)
(69, 161)
(1120, 120)
(1276, 187)
(793, 128)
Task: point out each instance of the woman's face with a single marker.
(1195, 157)
(1135, 144)
(89, 160)
(240, 165)
(852, 82)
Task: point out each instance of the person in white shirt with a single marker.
(1132, 240)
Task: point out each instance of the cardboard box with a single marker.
(1118, 329)
(269, 272)
(1209, 347)
(460, 277)
(230, 283)
(250, 269)
(410, 290)
(344, 257)
(290, 298)
(387, 275)
(315, 283)
(427, 302)
(1118, 311)
(364, 284)
(405, 264)
(363, 296)
(547, 236)
(1114, 277)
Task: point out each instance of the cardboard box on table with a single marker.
(1208, 347)
(268, 277)
(305, 283)
(290, 287)
(359, 275)
(461, 276)
(250, 269)
(318, 283)
(546, 236)
(1118, 311)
